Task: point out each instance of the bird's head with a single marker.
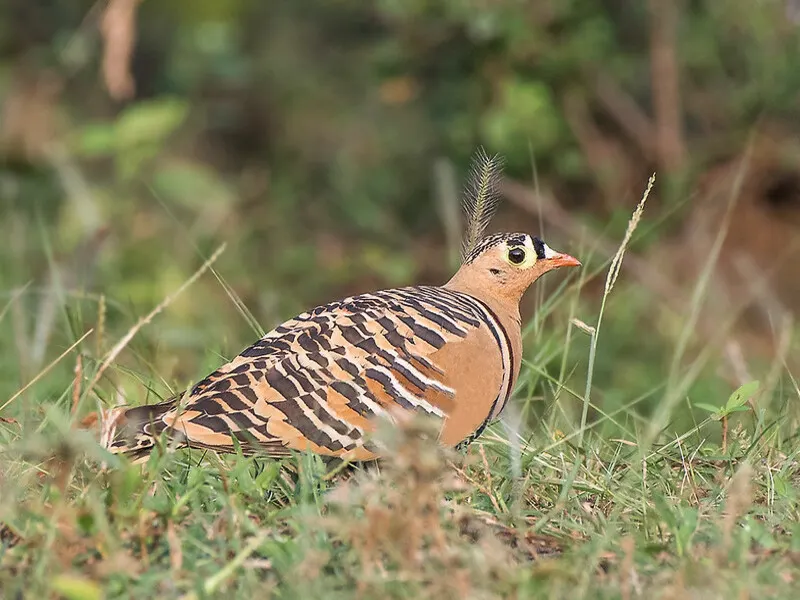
(504, 265)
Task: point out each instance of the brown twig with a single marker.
(76, 383)
(118, 27)
(724, 433)
(665, 82)
(628, 115)
(607, 163)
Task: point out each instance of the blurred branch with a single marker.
(73, 54)
(28, 121)
(118, 28)
(628, 115)
(67, 272)
(792, 11)
(74, 271)
(609, 165)
(76, 188)
(665, 81)
(21, 336)
(768, 302)
(448, 204)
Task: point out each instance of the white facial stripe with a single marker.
(529, 244)
(549, 252)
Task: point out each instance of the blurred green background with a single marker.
(325, 142)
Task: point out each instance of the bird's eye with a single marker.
(516, 255)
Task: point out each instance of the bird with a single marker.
(319, 382)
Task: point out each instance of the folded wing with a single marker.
(317, 381)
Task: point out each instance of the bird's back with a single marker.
(317, 381)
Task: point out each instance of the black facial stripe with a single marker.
(538, 245)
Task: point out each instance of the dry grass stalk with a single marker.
(633, 223)
(44, 371)
(122, 343)
(76, 383)
(611, 278)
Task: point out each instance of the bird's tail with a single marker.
(134, 431)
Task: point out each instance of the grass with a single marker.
(585, 498)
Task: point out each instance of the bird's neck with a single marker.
(505, 308)
(503, 302)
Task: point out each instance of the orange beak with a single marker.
(564, 260)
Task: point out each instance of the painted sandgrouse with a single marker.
(316, 382)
